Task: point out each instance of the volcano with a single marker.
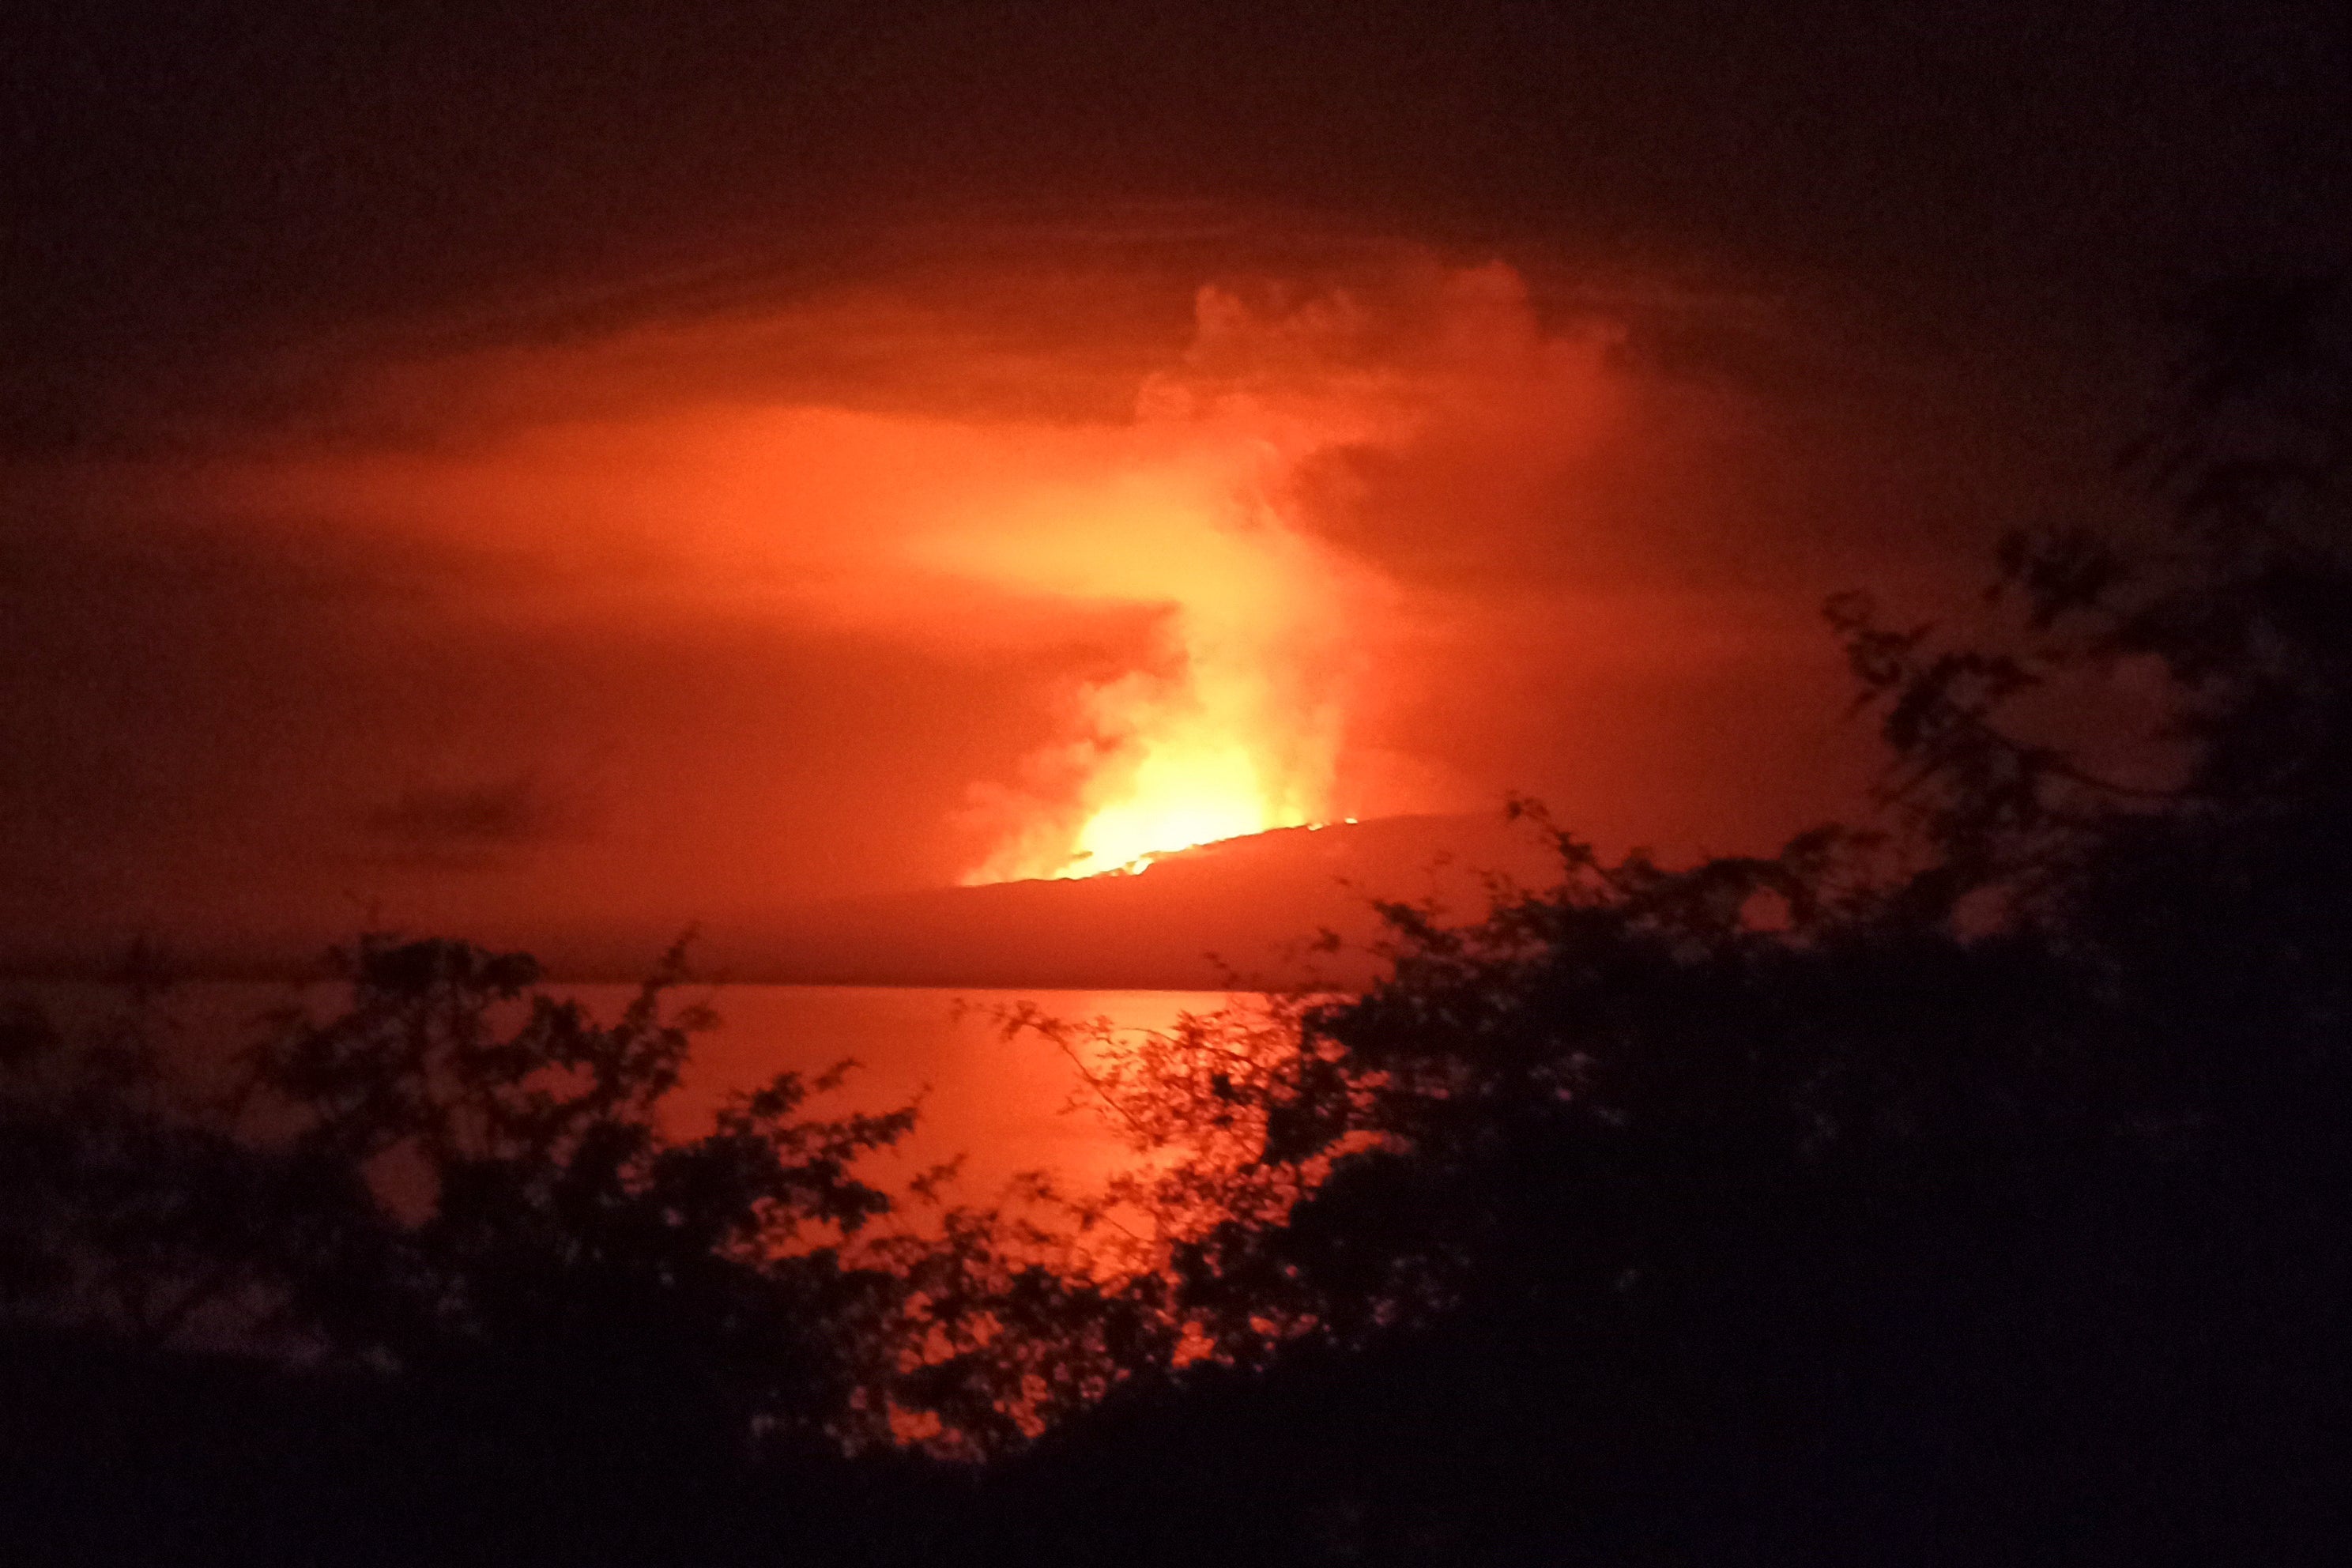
(1294, 906)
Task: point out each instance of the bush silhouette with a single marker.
(537, 1321)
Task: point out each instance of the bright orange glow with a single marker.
(1208, 513)
(1094, 594)
(1233, 726)
(1185, 792)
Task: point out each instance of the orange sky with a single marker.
(1004, 559)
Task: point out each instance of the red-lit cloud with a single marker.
(964, 573)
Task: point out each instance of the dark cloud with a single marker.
(461, 825)
(198, 189)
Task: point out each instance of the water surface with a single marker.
(1006, 1104)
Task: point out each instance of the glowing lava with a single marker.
(1207, 752)
(1182, 795)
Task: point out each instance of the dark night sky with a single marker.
(301, 299)
(191, 181)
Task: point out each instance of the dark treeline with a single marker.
(1976, 1189)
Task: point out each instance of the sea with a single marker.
(1003, 1101)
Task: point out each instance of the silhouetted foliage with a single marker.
(454, 1203)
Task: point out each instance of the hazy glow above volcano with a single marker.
(1184, 792)
(1233, 722)
(1202, 514)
